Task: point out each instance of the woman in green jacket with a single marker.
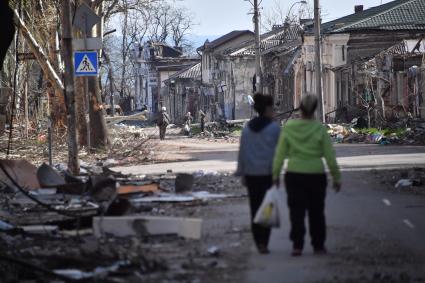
(304, 142)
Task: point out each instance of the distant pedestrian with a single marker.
(188, 123)
(202, 116)
(162, 122)
(257, 148)
(304, 143)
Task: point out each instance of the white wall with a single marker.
(334, 54)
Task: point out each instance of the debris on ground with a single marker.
(348, 133)
(403, 183)
(106, 226)
(410, 181)
(228, 131)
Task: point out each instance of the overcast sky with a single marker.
(218, 17)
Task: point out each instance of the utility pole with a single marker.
(318, 61)
(73, 165)
(258, 73)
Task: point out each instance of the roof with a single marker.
(224, 39)
(177, 67)
(395, 15)
(191, 72)
(281, 38)
(407, 47)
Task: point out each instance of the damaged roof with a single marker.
(283, 38)
(191, 72)
(407, 47)
(395, 15)
(224, 39)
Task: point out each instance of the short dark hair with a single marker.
(261, 102)
(308, 105)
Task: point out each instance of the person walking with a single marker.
(304, 142)
(257, 147)
(162, 122)
(188, 124)
(202, 116)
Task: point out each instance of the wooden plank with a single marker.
(130, 189)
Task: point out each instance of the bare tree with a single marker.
(279, 15)
(154, 20)
(181, 24)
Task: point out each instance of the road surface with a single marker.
(210, 156)
(374, 234)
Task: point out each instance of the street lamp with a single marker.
(303, 2)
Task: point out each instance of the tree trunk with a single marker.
(98, 131)
(99, 134)
(81, 110)
(111, 81)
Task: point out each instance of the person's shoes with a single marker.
(321, 251)
(297, 252)
(262, 249)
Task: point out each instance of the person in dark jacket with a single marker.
(257, 148)
(8, 29)
(162, 122)
(202, 116)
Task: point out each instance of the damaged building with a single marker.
(156, 62)
(228, 70)
(390, 85)
(184, 93)
(364, 37)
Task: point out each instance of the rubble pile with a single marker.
(348, 133)
(55, 227)
(129, 144)
(228, 131)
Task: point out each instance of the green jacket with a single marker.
(304, 143)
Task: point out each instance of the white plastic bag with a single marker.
(269, 213)
(187, 128)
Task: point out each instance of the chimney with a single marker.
(358, 9)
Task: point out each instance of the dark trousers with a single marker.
(202, 125)
(306, 194)
(257, 188)
(162, 130)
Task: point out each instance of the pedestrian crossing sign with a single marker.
(86, 63)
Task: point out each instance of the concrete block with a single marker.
(123, 226)
(39, 229)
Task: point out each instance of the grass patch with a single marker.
(386, 132)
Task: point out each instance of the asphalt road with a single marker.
(374, 234)
(222, 157)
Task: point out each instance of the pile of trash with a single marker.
(347, 133)
(63, 227)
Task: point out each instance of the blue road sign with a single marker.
(86, 63)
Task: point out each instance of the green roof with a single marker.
(395, 15)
